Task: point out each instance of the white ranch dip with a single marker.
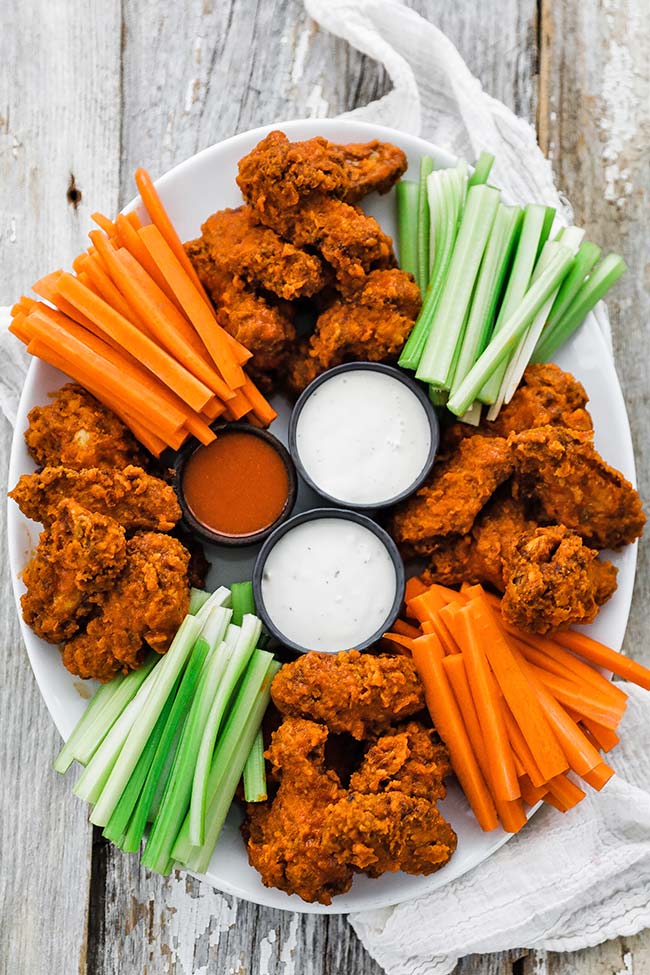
(329, 584)
(363, 437)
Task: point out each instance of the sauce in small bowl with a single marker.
(237, 489)
(364, 435)
(328, 580)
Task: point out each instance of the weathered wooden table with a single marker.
(88, 91)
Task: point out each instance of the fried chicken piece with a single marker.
(479, 556)
(553, 581)
(371, 167)
(145, 606)
(132, 497)
(76, 431)
(350, 692)
(561, 471)
(451, 499)
(78, 557)
(264, 329)
(238, 244)
(404, 759)
(284, 837)
(372, 325)
(546, 396)
(298, 189)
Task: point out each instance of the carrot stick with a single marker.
(18, 327)
(127, 236)
(425, 606)
(517, 691)
(133, 219)
(603, 657)
(580, 699)
(531, 794)
(605, 737)
(104, 223)
(454, 667)
(261, 407)
(427, 656)
(444, 635)
(106, 289)
(192, 302)
(556, 660)
(46, 288)
(414, 587)
(168, 370)
(405, 629)
(490, 712)
(521, 748)
(565, 793)
(160, 218)
(599, 776)
(399, 639)
(512, 815)
(166, 323)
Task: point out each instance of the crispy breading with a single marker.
(76, 431)
(554, 581)
(144, 607)
(238, 244)
(454, 494)
(370, 167)
(131, 496)
(357, 693)
(265, 329)
(479, 556)
(407, 759)
(78, 557)
(373, 325)
(561, 471)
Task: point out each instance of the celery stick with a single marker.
(198, 598)
(177, 793)
(587, 256)
(96, 705)
(101, 721)
(446, 328)
(167, 673)
(220, 597)
(549, 217)
(482, 169)
(532, 228)
(406, 196)
(438, 396)
(504, 343)
(166, 750)
(595, 287)
(242, 601)
(92, 780)
(424, 222)
(116, 827)
(447, 190)
(472, 416)
(255, 772)
(229, 758)
(250, 631)
(488, 289)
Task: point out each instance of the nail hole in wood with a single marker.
(73, 194)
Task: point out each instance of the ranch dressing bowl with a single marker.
(364, 435)
(328, 580)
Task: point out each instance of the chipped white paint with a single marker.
(288, 949)
(267, 952)
(317, 106)
(618, 123)
(300, 55)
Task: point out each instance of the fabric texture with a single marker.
(566, 882)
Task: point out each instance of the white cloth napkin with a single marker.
(566, 882)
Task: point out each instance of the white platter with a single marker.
(191, 192)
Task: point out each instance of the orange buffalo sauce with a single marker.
(236, 485)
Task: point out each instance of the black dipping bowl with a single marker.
(415, 387)
(217, 538)
(317, 514)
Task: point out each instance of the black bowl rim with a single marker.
(411, 384)
(235, 541)
(316, 514)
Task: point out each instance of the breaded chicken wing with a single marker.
(238, 244)
(76, 431)
(373, 325)
(479, 556)
(144, 607)
(404, 759)
(561, 471)
(78, 557)
(264, 329)
(453, 496)
(553, 581)
(132, 497)
(371, 167)
(357, 693)
(284, 837)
